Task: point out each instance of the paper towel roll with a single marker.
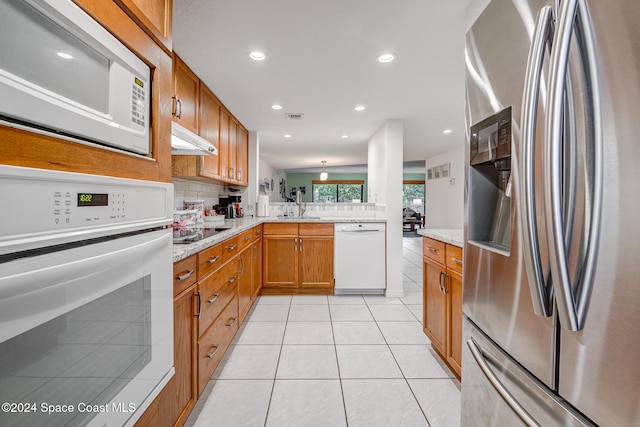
(263, 206)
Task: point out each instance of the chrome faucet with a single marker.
(302, 207)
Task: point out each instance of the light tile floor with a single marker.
(334, 361)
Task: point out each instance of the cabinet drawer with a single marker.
(213, 344)
(184, 274)
(433, 249)
(316, 229)
(280, 228)
(209, 260)
(454, 258)
(229, 248)
(216, 291)
(244, 240)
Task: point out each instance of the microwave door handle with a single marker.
(572, 309)
(540, 292)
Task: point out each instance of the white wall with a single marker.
(444, 204)
(385, 189)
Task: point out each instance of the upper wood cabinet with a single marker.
(223, 149)
(186, 95)
(209, 125)
(29, 149)
(197, 108)
(242, 156)
(154, 16)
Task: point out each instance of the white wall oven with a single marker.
(86, 323)
(62, 73)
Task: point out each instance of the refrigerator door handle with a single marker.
(572, 310)
(538, 286)
(500, 388)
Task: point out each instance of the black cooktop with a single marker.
(185, 235)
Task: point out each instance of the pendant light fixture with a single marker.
(323, 174)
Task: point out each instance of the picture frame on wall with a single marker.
(436, 172)
(430, 173)
(446, 170)
(266, 184)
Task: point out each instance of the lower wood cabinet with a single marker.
(298, 258)
(178, 397)
(442, 291)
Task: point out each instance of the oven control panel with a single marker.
(39, 203)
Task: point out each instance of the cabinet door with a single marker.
(154, 16)
(256, 269)
(209, 125)
(454, 317)
(223, 148)
(242, 156)
(233, 149)
(186, 92)
(316, 262)
(280, 261)
(244, 282)
(434, 304)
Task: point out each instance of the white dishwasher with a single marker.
(359, 258)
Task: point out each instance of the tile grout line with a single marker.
(335, 349)
(275, 375)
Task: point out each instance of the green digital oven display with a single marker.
(93, 199)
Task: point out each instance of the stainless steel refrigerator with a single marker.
(552, 231)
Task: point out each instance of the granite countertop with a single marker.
(452, 236)
(238, 225)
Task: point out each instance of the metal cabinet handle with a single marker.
(232, 247)
(440, 285)
(500, 388)
(295, 244)
(232, 279)
(443, 282)
(178, 108)
(199, 313)
(215, 350)
(540, 292)
(185, 275)
(456, 260)
(214, 259)
(300, 245)
(255, 252)
(432, 250)
(241, 268)
(213, 299)
(247, 238)
(572, 309)
(258, 232)
(233, 321)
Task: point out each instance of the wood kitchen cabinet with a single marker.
(154, 17)
(176, 400)
(196, 108)
(242, 156)
(298, 258)
(256, 267)
(442, 291)
(186, 95)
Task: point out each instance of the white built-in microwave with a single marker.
(62, 73)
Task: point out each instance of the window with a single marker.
(338, 191)
(413, 195)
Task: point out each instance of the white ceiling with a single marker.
(321, 61)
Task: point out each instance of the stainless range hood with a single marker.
(187, 143)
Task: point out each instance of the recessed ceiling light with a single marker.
(257, 56)
(276, 107)
(64, 55)
(447, 131)
(386, 57)
(360, 108)
(286, 135)
(344, 136)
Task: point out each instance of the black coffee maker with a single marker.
(229, 207)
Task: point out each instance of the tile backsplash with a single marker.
(190, 190)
